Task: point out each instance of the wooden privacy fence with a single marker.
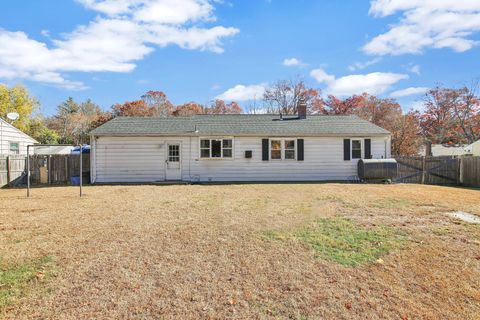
(470, 171)
(12, 169)
(44, 169)
(439, 170)
(58, 169)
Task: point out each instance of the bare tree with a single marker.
(284, 96)
(253, 107)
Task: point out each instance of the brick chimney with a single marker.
(302, 108)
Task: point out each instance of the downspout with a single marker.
(195, 131)
(93, 162)
(190, 158)
(1, 136)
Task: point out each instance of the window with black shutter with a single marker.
(346, 149)
(368, 148)
(300, 150)
(265, 149)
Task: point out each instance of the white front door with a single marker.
(173, 166)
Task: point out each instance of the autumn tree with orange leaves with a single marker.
(451, 115)
(156, 104)
(406, 139)
(188, 109)
(385, 113)
(152, 104)
(137, 108)
(220, 107)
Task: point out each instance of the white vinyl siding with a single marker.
(142, 159)
(129, 159)
(10, 136)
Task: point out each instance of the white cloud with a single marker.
(383, 8)
(289, 62)
(175, 11)
(190, 38)
(409, 92)
(243, 93)
(372, 83)
(415, 69)
(157, 11)
(124, 32)
(425, 24)
(363, 65)
(110, 7)
(321, 76)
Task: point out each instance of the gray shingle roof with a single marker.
(248, 125)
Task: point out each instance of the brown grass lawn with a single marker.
(238, 251)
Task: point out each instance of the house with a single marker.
(442, 150)
(474, 148)
(209, 148)
(12, 140)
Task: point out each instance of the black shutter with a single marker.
(368, 148)
(300, 156)
(346, 149)
(265, 149)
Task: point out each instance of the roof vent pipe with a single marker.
(302, 108)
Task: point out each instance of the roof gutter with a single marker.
(198, 134)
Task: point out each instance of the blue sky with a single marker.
(196, 50)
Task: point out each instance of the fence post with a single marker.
(66, 170)
(423, 169)
(48, 169)
(8, 170)
(460, 171)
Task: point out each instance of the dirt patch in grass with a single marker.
(200, 252)
(341, 240)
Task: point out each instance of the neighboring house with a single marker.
(456, 150)
(12, 140)
(474, 148)
(234, 148)
(439, 150)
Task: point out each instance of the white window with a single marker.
(356, 149)
(276, 149)
(173, 153)
(227, 148)
(204, 148)
(282, 149)
(289, 149)
(14, 147)
(216, 148)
